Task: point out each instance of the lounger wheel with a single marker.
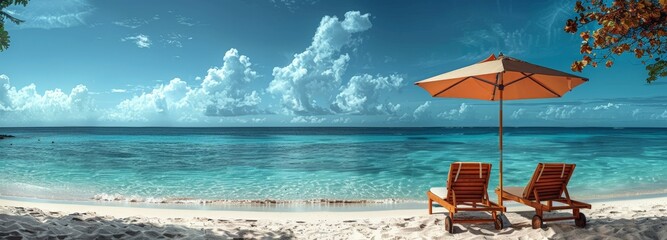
(448, 224)
(581, 221)
(498, 222)
(537, 222)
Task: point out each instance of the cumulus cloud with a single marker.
(228, 87)
(307, 119)
(518, 113)
(141, 40)
(314, 74)
(588, 111)
(362, 93)
(5, 101)
(154, 105)
(27, 105)
(463, 111)
(341, 120)
(427, 112)
(559, 112)
(224, 91)
(258, 120)
(422, 111)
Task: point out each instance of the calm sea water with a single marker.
(297, 164)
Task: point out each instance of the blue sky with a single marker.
(297, 63)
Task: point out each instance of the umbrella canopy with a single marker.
(501, 78)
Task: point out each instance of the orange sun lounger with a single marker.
(548, 184)
(466, 191)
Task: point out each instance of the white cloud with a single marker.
(422, 111)
(28, 106)
(116, 90)
(293, 5)
(607, 106)
(174, 39)
(224, 91)
(362, 93)
(228, 87)
(131, 23)
(518, 113)
(141, 40)
(156, 104)
(560, 112)
(307, 119)
(184, 21)
(462, 112)
(658, 116)
(495, 39)
(52, 14)
(426, 112)
(314, 75)
(258, 120)
(341, 120)
(552, 17)
(5, 101)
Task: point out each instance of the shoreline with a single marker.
(164, 213)
(268, 212)
(273, 205)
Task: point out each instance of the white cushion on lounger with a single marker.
(516, 191)
(440, 192)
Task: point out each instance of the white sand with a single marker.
(623, 219)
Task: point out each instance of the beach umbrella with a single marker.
(498, 79)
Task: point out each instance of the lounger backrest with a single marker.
(549, 181)
(468, 180)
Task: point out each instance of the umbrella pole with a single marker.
(500, 136)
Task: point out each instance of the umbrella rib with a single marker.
(495, 86)
(476, 78)
(545, 87)
(453, 85)
(525, 76)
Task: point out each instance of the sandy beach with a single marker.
(644, 218)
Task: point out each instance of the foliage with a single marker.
(4, 35)
(635, 26)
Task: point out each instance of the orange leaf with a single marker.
(578, 7)
(585, 48)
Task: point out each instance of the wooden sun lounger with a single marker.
(466, 191)
(548, 183)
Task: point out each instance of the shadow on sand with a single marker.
(597, 227)
(35, 224)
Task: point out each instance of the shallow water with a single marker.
(305, 164)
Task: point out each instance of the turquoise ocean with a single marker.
(302, 166)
